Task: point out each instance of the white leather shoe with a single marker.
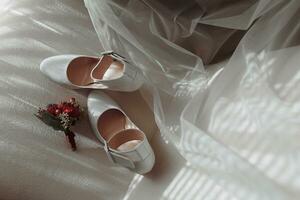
(124, 143)
(110, 71)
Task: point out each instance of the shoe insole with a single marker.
(80, 69)
(128, 145)
(112, 126)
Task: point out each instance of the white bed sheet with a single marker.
(36, 162)
(234, 136)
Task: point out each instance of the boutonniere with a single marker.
(61, 117)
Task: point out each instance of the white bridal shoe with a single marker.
(109, 71)
(123, 142)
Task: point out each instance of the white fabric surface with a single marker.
(235, 124)
(238, 128)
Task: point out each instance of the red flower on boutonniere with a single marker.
(62, 117)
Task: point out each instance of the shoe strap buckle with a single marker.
(115, 55)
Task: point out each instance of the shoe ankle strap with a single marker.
(118, 158)
(114, 56)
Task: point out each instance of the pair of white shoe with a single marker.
(125, 144)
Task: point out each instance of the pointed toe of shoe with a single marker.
(98, 102)
(45, 67)
(55, 68)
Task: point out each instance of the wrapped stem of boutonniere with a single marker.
(62, 117)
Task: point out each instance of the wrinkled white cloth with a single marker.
(239, 122)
